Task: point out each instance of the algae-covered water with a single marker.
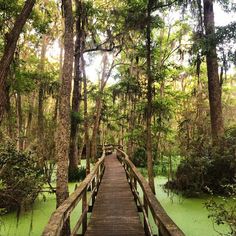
(33, 222)
(189, 214)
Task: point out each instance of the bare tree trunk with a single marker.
(104, 78)
(149, 100)
(86, 128)
(131, 128)
(9, 51)
(62, 140)
(40, 125)
(96, 128)
(61, 57)
(19, 122)
(41, 88)
(29, 121)
(55, 116)
(80, 151)
(9, 114)
(214, 87)
(76, 99)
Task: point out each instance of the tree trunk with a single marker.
(40, 125)
(104, 78)
(29, 121)
(41, 88)
(131, 127)
(86, 128)
(9, 50)
(149, 100)
(9, 114)
(76, 99)
(19, 122)
(80, 151)
(56, 109)
(214, 87)
(61, 56)
(96, 128)
(63, 127)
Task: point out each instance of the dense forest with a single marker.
(155, 77)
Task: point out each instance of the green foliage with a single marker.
(77, 175)
(208, 168)
(139, 157)
(144, 172)
(223, 213)
(226, 33)
(45, 17)
(21, 178)
(162, 167)
(190, 176)
(76, 116)
(24, 82)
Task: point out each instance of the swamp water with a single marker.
(189, 214)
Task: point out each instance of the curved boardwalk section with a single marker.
(114, 211)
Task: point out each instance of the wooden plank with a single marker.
(165, 224)
(114, 212)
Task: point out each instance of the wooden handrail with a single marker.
(62, 213)
(164, 223)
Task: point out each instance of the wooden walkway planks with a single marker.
(114, 212)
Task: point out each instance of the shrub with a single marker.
(20, 179)
(77, 175)
(213, 168)
(139, 157)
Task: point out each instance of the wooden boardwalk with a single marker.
(114, 212)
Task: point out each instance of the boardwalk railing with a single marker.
(62, 213)
(165, 225)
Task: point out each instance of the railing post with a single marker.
(131, 181)
(160, 230)
(94, 191)
(84, 208)
(99, 174)
(136, 191)
(145, 205)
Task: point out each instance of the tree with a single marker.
(149, 99)
(106, 72)
(214, 87)
(86, 120)
(76, 98)
(63, 128)
(9, 50)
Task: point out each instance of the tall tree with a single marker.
(149, 99)
(9, 50)
(63, 128)
(214, 87)
(41, 88)
(41, 97)
(97, 116)
(76, 99)
(86, 120)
